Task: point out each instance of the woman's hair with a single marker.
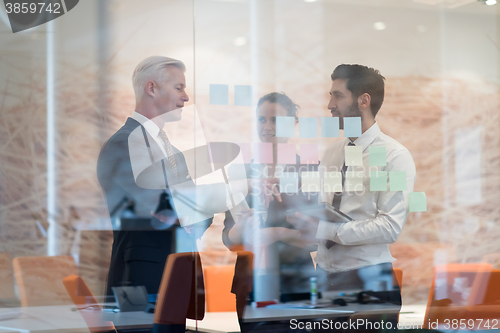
(291, 108)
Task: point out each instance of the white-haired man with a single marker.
(139, 252)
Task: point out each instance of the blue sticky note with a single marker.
(219, 94)
(308, 127)
(418, 202)
(285, 127)
(397, 180)
(352, 127)
(330, 127)
(378, 181)
(289, 182)
(243, 95)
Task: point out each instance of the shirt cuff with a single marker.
(327, 230)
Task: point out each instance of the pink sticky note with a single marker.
(309, 153)
(246, 152)
(286, 153)
(263, 152)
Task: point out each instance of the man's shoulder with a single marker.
(122, 134)
(396, 152)
(119, 140)
(391, 144)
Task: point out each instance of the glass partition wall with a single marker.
(259, 106)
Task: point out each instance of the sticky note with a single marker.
(246, 152)
(243, 95)
(377, 156)
(289, 182)
(285, 127)
(353, 155)
(287, 153)
(354, 181)
(418, 202)
(330, 127)
(308, 127)
(310, 181)
(309, 153)
(378, 181)
(263, 152)
(397, 180)
(332, 182)
(219, 94)
(352, 127)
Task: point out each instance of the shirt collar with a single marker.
(149, 125)
(368, 136)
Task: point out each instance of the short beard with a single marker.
(354, 110)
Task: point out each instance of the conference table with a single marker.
(65, 318)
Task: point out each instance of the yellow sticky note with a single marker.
(354, 181)
(310, 181)
(353, 155)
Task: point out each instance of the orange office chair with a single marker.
(39, 279)
(451, 291)
(484, 301)
(398, 276)
(218, 280)
(181, 294)
(90, 310)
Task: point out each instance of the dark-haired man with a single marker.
(360, 249)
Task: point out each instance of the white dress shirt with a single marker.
(379, 216)
(150, 127)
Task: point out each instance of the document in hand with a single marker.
(323, 211)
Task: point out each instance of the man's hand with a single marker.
(306, 225)
(266, 188)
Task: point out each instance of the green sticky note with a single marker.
(418, 202)
(377, 156)
(378, 181)
(398, 180)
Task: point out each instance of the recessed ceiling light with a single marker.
(240, 41)
(491, 2)
(379, 26)
(310, 0)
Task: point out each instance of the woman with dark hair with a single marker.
(269, 107)
(293, 259)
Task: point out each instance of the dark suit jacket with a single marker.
(138, 256)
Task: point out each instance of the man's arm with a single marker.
(391, 216)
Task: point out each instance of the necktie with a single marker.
(170, 151)
(337, 197)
